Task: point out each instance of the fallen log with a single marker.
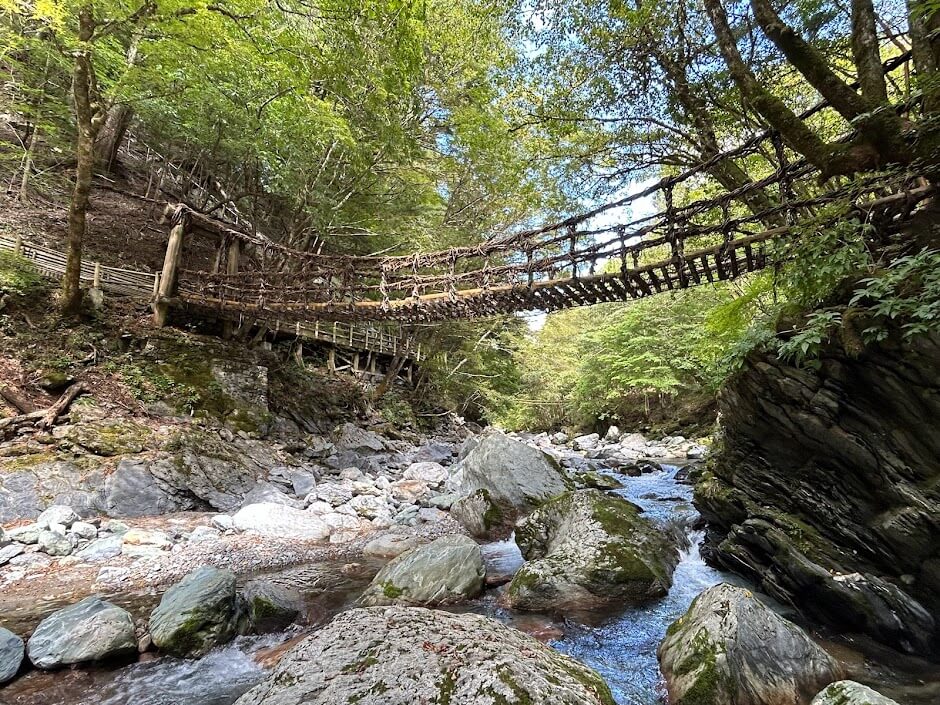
(56, 410)
(17, 400)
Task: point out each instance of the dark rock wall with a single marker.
(826, 490)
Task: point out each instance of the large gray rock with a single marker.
(57, 514)
(444, 571)
(90, 630)
(268, 492)
(850, 693)
(271, 607)
(515, 476)
(53, 543)
(101, 549)
(30, 483)
(586, 549)
(280, 521)
(198, 613)
(9, 552)
(11, 654)
(730, 648)
(408, 655)
(350, 437)
(133, 491)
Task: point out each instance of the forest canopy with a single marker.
(402, 126)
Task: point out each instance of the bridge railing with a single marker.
(304, 285)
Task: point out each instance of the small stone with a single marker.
(9, 552)
(390, 545)
(350, 474)
(431, 515)
(433, 474)
(28, 534)
(223, 522)
(204, 533)
(84, 530)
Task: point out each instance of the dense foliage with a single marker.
(404, 125)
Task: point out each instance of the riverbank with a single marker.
(618, 644)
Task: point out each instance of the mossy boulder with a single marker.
(109, 438)
(729, 648)
(586, 549)
(444, 571)
(516, 477)
(198, 613)
(271, 607)
(407, 655)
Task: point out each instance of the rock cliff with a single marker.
(826, 490)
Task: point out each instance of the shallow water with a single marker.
(623, 647)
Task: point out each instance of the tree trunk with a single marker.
(924, 24)
(828, 158)
(112, 134)
(866, 53)
(881, 131)
(87, 119)
(726, 172)
(116, 122)
(809, 62)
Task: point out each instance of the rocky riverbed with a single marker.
(295, 551)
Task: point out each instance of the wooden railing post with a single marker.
(169, 275)
(231, 268)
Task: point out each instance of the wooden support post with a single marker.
(331, 360)
(96, 280)
(231, 267)
(18, 245)
(355, 362)
(299, 352)
(372, 357)
(168, 277)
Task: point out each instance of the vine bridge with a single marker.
(747, 226)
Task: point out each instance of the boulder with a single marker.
(730, 648)
(271, 607)
(598, 481)
(84, 530)
(9, 552)
(278, 520)
(612, 435)
(54, 543)
(198, 613)
(407, 655)
(431, 473)
(831, 472)
(586, 442)
(57, 514)
(11, 654)
(265, 492)
(28, 534)
(850, 693)
(90, 630)
(516, 478)
(350, 437)
(132, 490)
(444, 571)
(586, 549)
(101, 549)
(390, 545)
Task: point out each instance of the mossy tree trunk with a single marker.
(88, 120)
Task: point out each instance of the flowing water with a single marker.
(620, 644)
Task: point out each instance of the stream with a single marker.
(621, 645)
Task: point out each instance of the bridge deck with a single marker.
(141, 285)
